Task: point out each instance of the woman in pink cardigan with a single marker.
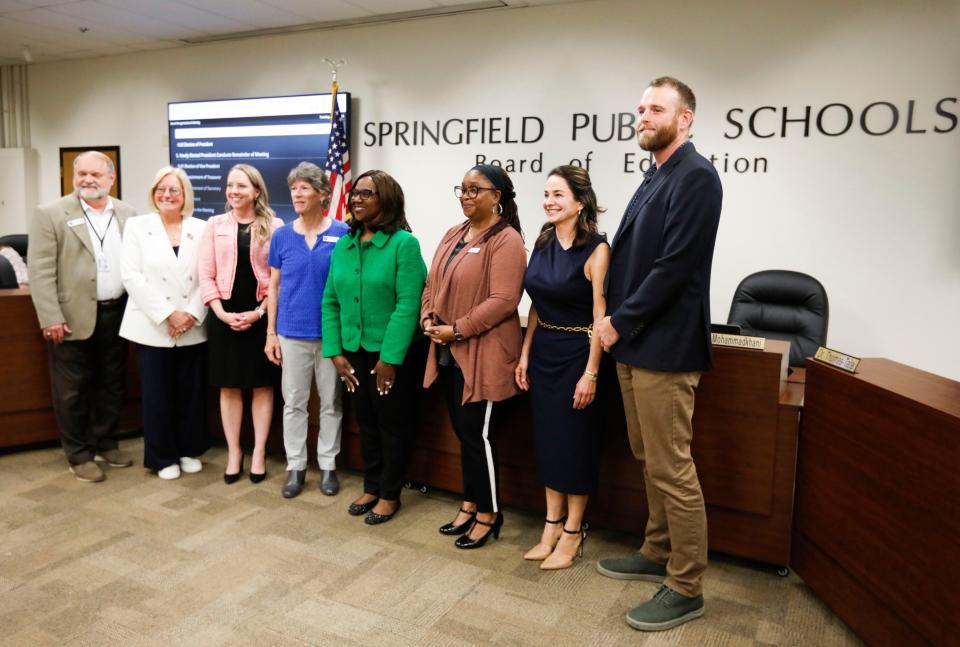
(234, 278)
(469, 312)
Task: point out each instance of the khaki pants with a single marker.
(659, 410)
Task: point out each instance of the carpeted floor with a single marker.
(139, 561)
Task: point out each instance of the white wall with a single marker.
(874, 218)
(18, 188)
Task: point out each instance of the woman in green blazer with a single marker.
(371, 307)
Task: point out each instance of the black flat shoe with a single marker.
(357, 509)
(451, 530)
(257, 478)
(230, 479)
(467, 543)
(373, 519)
(294, 483)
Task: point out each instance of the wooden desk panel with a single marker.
(26, 408)
(745, 435)
(878, 500)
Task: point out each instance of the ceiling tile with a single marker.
(252, 12)
(314, 11)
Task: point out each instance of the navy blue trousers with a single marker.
(173, 382)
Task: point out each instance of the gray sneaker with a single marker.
(88, 472)
(666, 609)
(634, 567)
(114, 458)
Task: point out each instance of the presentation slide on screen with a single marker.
(274, 134)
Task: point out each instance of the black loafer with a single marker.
(373, 519)
(294, 484)
(329, 484)
(357, 509)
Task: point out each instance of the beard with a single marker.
(93, 193)
(660, 139)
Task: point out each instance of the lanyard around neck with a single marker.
(97, 233)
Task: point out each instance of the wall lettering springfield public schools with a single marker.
(763, 122)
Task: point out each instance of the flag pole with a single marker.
(335, 65)
(337, 164)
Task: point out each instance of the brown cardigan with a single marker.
(479, 292)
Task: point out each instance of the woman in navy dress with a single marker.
(561, 359)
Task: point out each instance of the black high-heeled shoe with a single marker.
(467, 543)
(451, 530)
(230, 479)
(257, 478)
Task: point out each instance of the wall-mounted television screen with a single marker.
(273, 134)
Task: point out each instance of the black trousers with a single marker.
(174, 386)
(474, 423)
(386, 422)
(86, 380)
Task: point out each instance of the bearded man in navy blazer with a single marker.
(658, 330)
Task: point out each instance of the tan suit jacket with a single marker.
(63, 268)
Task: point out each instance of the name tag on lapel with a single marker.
(331, 239)
(473, 250)
(74, 222)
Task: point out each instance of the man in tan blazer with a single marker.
(74, 263)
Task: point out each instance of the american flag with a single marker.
(338, 164)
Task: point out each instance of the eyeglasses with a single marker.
(362, 195)
(169, 190)
(471, 192)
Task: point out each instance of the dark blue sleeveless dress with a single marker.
(567, 440)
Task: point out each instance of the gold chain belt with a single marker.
(584, 329)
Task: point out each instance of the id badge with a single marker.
(103, 265)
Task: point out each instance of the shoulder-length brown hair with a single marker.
(392, 215)
(579, 182)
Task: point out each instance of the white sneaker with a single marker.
(169, 472)
(190, 465)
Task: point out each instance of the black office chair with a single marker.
(786, 305)
(8, 277)
(17, 241)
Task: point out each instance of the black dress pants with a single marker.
(474, 424)
(86, 380)
(173, 382)
(386, 423)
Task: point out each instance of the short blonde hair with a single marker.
(185, 184)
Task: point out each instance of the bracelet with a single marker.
(591, 375)
(271, 334)
(259, 311)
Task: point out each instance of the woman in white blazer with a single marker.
(164, 317)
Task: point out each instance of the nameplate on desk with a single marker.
(844, 362)
(738, 341)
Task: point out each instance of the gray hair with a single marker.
(100, 156)
(311, 174)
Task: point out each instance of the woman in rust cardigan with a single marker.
(469, 312)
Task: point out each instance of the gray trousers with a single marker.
(302, 362)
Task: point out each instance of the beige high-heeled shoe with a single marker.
(559, 560)
(541, 551)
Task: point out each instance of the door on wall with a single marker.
(67, 155)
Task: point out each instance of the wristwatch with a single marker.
(456, 333)
(260, 311)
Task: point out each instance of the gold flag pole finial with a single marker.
(335, 65)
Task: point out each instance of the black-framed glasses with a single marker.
(363, 194)
(472, 191)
